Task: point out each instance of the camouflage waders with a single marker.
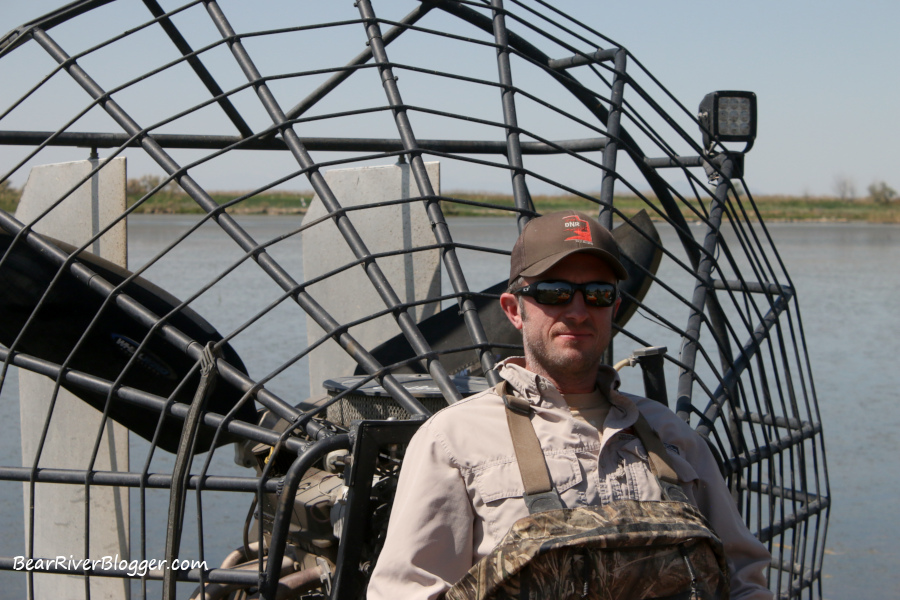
(625, 550)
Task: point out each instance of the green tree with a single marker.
(882, 193)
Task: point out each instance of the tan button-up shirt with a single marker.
(460, 488)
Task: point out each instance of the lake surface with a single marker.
(848, 284)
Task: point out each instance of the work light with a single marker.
(728, 117)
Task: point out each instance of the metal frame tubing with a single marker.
(268, 582)
(702, 289)
(614, 131)
(657, 183)
(757, 409)
(579, 60)
(360, 59)
(432, 205)
(749, 350)
(674, 162)
(230, 226)
(199, 68)
(805, 513)
(754, 287)
(147, 400)
(60, 15)
(610, 154)
(218, 483)
(369, 438)
(327, 144)
(508, 100)
(355, 242)
(745, 460)
(140, 314)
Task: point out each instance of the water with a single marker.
(847, 282)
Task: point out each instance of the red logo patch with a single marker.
(579, 229)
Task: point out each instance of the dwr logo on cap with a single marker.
(579, 227)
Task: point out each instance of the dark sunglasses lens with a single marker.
(599, 294)
(560, 292)
(553, 292)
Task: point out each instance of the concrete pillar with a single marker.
(60, 509)
(350, 295)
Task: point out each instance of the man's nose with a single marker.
(577, 309)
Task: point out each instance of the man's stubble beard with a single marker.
(545, 360)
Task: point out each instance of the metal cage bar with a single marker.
(743, 372)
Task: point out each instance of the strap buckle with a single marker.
(543, 501)
(516, 404)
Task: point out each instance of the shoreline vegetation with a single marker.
(772, 208)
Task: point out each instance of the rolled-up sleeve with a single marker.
(429, 540)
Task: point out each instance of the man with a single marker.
(460, 487)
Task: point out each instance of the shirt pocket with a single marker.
(501, 480)
(636, 479)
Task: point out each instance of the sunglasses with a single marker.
(557, 293)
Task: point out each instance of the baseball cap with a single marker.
(548, 239)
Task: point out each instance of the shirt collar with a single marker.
(534, 387)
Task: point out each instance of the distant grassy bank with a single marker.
(772, 208)
(269, 203)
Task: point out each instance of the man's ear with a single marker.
(510, 305)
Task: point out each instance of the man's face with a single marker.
(565, 342)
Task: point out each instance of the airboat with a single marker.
(281, 364)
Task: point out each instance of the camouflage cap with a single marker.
(548, 239)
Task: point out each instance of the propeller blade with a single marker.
(67, 312)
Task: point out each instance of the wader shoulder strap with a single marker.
(659, 458)
(540, 495)
(660, 461)
(656, 451)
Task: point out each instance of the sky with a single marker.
(825, 74)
